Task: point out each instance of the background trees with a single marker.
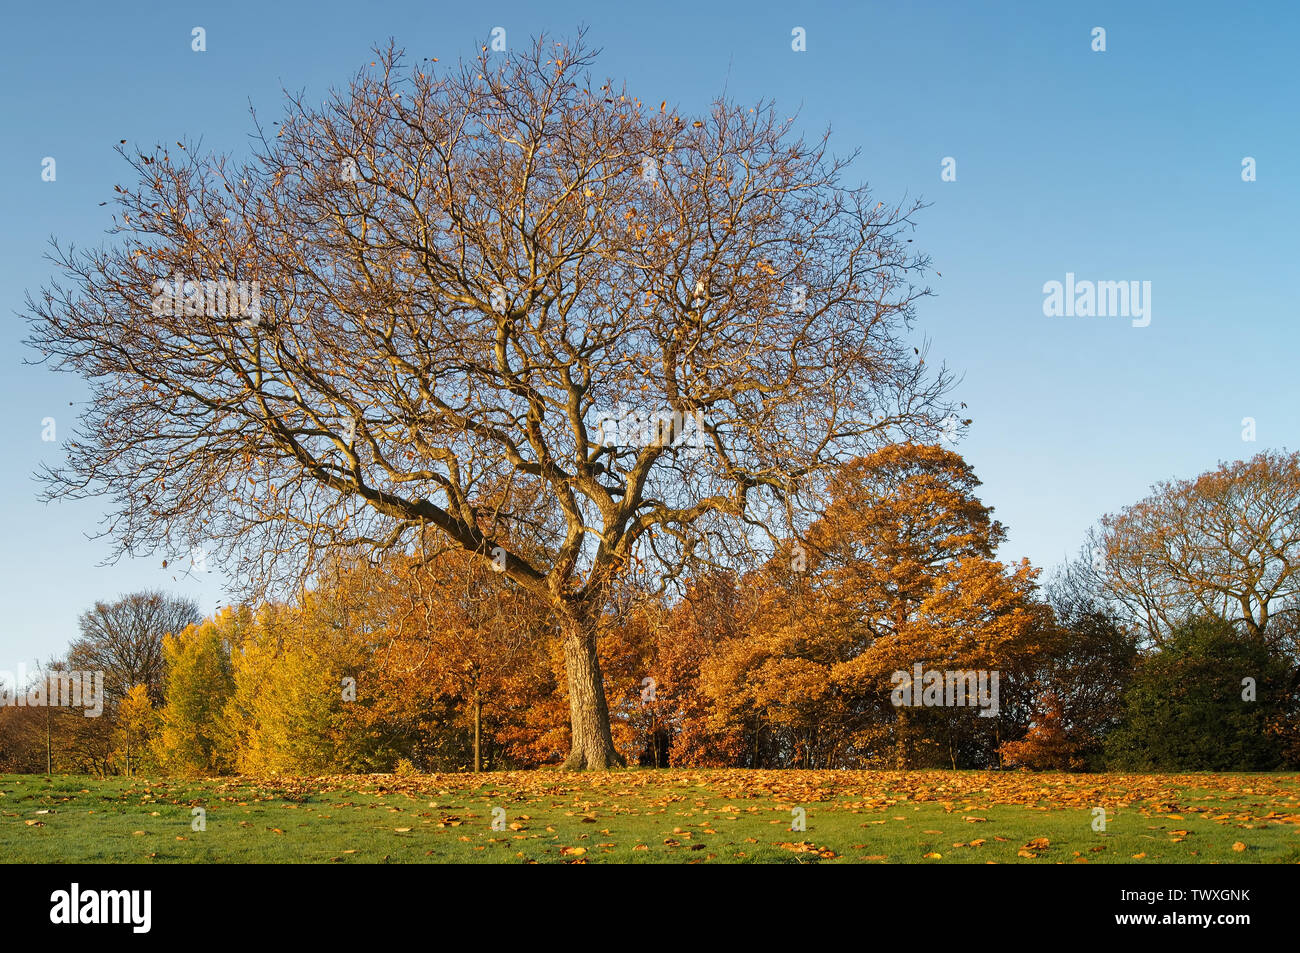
(193, 735)
(452, 628)
(123, 639)
(434, 661)
(1078, 684)
(1189, 709)
(1166, 599)
(1226, 543)
(898, 571)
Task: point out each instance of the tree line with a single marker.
(1169, 643)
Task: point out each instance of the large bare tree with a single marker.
(531, 315)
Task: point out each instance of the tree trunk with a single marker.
(592, 745)
(478, 731)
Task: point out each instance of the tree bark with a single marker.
(593, 745)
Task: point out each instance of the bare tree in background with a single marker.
(1226, 543)
(465, 278)
(123, 639)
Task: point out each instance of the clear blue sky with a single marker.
(1122, 165)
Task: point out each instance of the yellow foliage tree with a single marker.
(136, 728)
(191, 738)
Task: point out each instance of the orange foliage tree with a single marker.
(899, 571)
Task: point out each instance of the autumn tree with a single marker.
(136, 725)
(285, 694)
(1226, 544)
(912, 552)
(710, 615)
(454, 625)
(1048, 743)
(899, 570)
(477, 292)
(193, 737)
(48, 737)
(22, 739)
(773, 686)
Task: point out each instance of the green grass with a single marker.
(645, 816)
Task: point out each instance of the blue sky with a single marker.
(1116, 165)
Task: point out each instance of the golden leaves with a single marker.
(807, 847)
(1033, 850)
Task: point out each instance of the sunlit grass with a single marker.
(644, 816)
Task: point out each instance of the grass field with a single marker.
(646, 816)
